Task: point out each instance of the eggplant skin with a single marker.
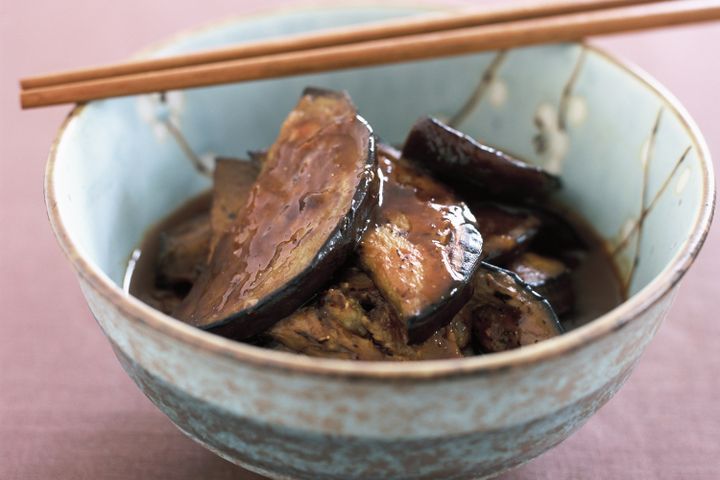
(557, 237)
(507, 231)
(461, 160)
(352, 320)
(549, 277)
(424, 248)
(293, 293)
(505, 313)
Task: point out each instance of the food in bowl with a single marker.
(333, 244)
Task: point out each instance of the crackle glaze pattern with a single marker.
(631, 163)
(300, 426)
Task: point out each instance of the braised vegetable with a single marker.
(558, 237)
(163, 299)
(506, 231)
(320, 245)
(352, 320)
(232, 181)
(423, 249)
(456, 157)
(305, 213)
(183, 252)
(548, 277)
(505, 313)
(257, 157)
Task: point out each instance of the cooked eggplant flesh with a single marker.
(183, 252)
(352, 320)
(424, 248)
(257, 157)
(558, 237)
(505, 313)
(320, 245)
(461, 160)
(549, 277)
(506, 231)
(165, 300)
(305, 213)
(232, 181)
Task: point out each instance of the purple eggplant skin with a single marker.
(507, 231)
(549, 277)
(464, 162)
(424, 248)
(253, 319)
(422, 327)
(557, 237)
(505, 313)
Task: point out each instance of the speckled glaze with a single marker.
(632, 162)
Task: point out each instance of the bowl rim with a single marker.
(598, 328)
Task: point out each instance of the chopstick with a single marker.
(327, 38)
(442, 43)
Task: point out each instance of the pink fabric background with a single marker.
(67, 410)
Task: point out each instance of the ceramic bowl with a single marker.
(632, 161)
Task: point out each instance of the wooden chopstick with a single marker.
(328, 38)
(406, 48)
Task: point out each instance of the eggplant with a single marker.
(352, 320)
(162, 299)
(549, 277)
(505, 313)
(183, 252)
(461, 160)
(424, 248)
(506, 231)
(232, 181)
(558, 237)
(309, 206)
(257, 157)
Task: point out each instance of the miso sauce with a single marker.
(595, 279)
(141, 275)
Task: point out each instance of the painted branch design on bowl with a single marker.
(631, 232)
(163, 111)
(490, 83)
(552, 142)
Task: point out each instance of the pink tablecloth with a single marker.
(67, 411)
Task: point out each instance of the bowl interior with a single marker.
(629, 161)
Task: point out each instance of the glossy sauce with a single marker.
(423, 247)
(595, 279)
(290, 213)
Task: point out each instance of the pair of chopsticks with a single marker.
(416, 38)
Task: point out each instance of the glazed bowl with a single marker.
(632, 161)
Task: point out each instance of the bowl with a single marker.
(632, 161)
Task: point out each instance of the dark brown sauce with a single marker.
(140, 275)
(305, 209)
(595, 279)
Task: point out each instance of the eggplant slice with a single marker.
(232, 181)
(183, 252)
(308, 208)
(506, 231)
(505, 313)
(558, 237)
(459, 159)
(353, 321)
(549, 277)
(424, 248)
